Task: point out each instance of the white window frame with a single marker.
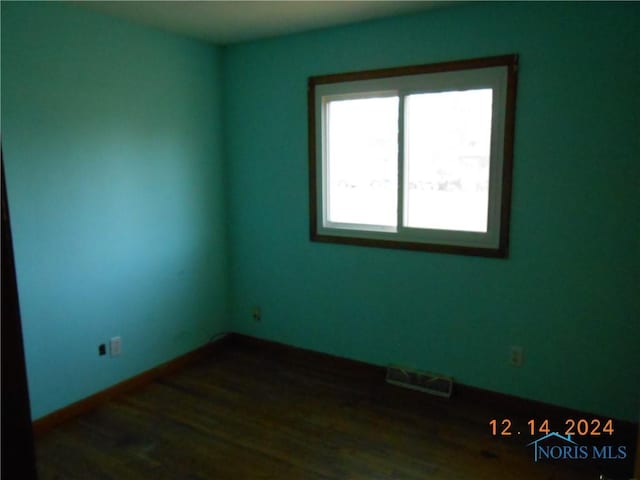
(497, 73)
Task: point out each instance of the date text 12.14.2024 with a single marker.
(581, 427)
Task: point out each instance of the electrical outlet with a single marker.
(257, 315)
(115, 346)
(102, 349)
(516, 356)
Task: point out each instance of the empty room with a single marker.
(320, 240)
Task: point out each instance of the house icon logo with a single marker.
(554, 446)
(566, 449)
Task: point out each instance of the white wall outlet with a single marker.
(516, 356)
(115, 346)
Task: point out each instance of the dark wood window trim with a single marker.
(501, 251)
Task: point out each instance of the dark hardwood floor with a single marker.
(254, 412)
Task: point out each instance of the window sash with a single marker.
(497, 73)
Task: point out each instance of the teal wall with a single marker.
(112, 146)
(569, 293)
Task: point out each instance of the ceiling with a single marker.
(225, 22)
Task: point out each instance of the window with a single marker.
(414, 157)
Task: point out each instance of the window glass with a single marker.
(362, 161)
(448, 141)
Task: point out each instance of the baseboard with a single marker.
(46, 423)
(502, 405)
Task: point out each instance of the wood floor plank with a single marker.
(250, 413)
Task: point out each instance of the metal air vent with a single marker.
(423, 381)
